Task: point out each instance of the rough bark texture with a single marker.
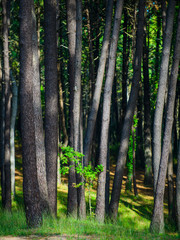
(30, 177)
(113, 210)
(157, 223)
(71, 24)
(77, 100)
(100, 199)
(157, 127)
(97, 92)
(147, 118)
(51, 101)
(7, 163)
(38, 123)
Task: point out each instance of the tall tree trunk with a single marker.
(14, 107)
(77, 101)
(147, 117)
(30, 177)
(170, 184)
(38, 122)
(71, 24)
(178, 189)
(113, 210)
(157, 127)
(2, 125)
(157, 223)
(125, 68)
(100, 199)
(97, 92)
(7, 163)
(51, 101)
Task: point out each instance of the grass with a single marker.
(132, 223)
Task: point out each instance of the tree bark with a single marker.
(100, 199)
(147, 117)
(30, 177)
(71, 24)
(97, 92)
(157, 127)
(51, 101)
(157, 223)
(113, 210)
(7, 163)
(14, 107)
(178, 189)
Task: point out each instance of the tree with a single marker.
(100, 199)
(99, 80)
(30, 176)
(51, 101)
(157, 223)
(147, 116)
(178, 189)
(113, 209)
(71, 24)
(7, 164)
(158, 115)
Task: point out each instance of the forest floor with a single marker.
(133, 222)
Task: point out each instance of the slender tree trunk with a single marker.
(97, 92)
(125, 68)
(51, 102)
(113, 210)
(30, 177)
(14, 107)
(157, 127)
(147, 117)
(157, 223)
(170, 184)
(71, 24)
(100, 199)
(2, 126)
(178, 189)
(77, 100)
(7, 163)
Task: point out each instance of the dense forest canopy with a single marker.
(86, 85)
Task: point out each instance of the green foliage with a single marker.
(88, 173)
(70, 158)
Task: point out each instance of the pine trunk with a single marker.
(115, 196)
(100, 199)
(51, 101)
(157, 223)
(157, 127)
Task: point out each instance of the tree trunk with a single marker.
(77, 100)
(157, 223)
(14, 107)
(30, 176)
(157, 127)
(2, 125)
(51, 101)
(7, 163)
(170, 184)
(71, 24)
(97, 92)
(128, 116)
(147, 117)
(100, 199)
(178, 189)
